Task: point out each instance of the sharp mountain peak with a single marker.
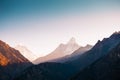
(72, 40)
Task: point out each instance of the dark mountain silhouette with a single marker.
(100, 49)
(11, 62)
(106, 68)
(71, 67)
(52, 70)
(61, 51)
(47, 71)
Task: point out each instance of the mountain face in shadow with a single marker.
(11, 62)
(106, 68)
(63, 71)
(52, 70)
(47, 71)
(60, 51)
(99, 50)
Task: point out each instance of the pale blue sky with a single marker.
(42, 25)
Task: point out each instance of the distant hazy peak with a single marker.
(61, 51)
(26, 52)
(72, 41)
(21, 46)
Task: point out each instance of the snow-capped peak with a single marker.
(26, 52)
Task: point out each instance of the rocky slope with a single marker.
(54, 71)
(100, 49)
(106, 68)
(11, 62)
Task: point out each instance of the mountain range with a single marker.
(100, 49)
(101, 62)
(105, 68)
(61, 51)
(11, 62)
(67, 62)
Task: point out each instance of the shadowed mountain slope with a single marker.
(98, 51)
(11, 62)
(47, 71)
(106, 68)
(63, 71)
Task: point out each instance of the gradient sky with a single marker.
(42, 25)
